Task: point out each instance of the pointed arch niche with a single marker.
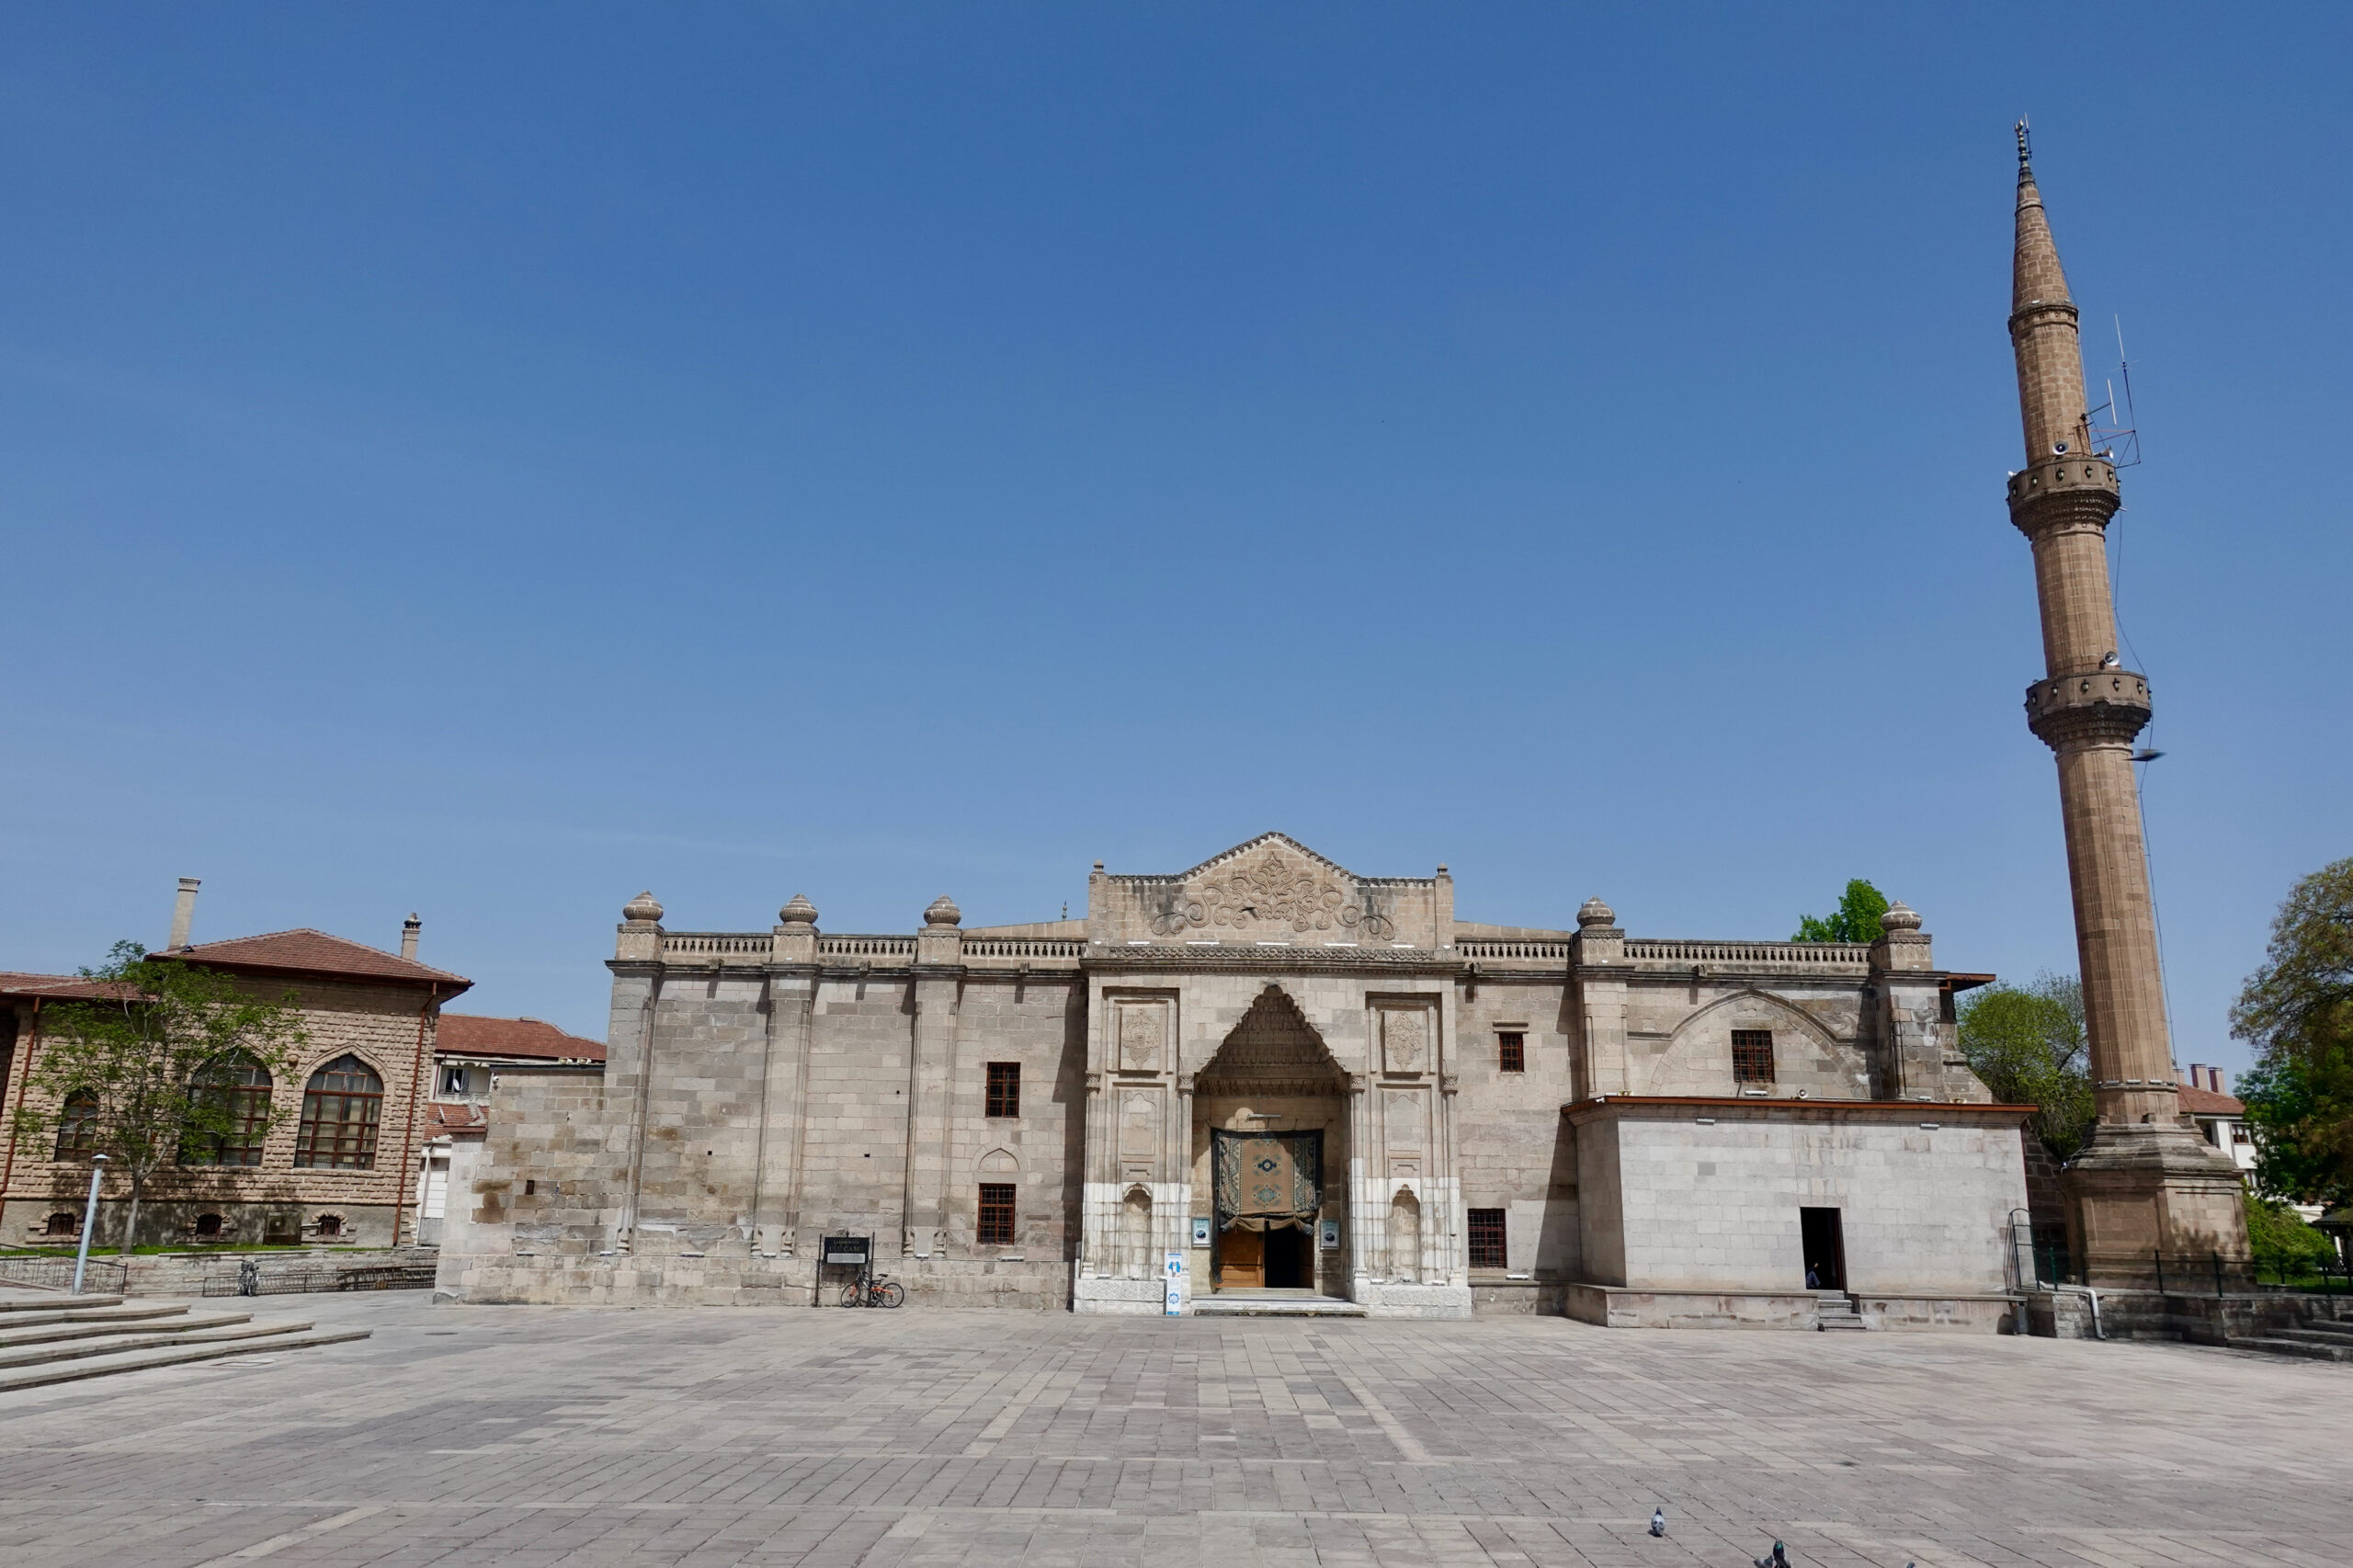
(1272, 1075)
(1807, 1055)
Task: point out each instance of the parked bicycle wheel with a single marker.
(889, 1294)
(854, 1294)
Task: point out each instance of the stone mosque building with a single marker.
(1266, 1079)
(1272, 1083)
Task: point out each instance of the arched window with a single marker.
(340, 1106)
(208, 1227)
(237, 1087)
(77, 1125)
(64, 1223)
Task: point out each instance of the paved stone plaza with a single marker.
(543, 1435)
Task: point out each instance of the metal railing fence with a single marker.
(2201, 1273)
(103, 1277)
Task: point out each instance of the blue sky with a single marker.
(489, 460)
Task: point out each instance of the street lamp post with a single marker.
(90, 1220)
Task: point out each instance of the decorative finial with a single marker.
(800, 912)
(644, 909)
(2026, 153)
(943, 911)
(1593, 911)
(1898, 918)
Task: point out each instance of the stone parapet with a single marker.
(1617, 1306)
(1392, 1300)
(187, 1273)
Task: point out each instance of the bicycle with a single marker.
(874, 1292)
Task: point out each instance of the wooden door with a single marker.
(1241, 1260)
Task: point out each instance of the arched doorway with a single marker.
(1270, 1147)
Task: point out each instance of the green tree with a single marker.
(1857, 919)
(2282, 1239)
(150, 1074)
(2297, 1011)
(2027, 1045)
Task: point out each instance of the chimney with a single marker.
(2194, 1077)
(409, 928)
(183, 913)
(2214, 1080)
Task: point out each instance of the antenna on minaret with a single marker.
(2114, 428)
(2026, 154)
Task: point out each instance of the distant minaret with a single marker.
(2146, 1182)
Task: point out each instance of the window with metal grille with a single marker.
(234, 1094)
(1752, 1056)
(1511, 1051)
(996, 1213)
(77, 1125)
(340, 1107)
(1005, 1088)
(1487, 1250)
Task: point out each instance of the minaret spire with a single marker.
(2145, 1182)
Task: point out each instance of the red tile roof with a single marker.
(2195, 1101)
(316, 952)
(466, 1034)
(67, 987)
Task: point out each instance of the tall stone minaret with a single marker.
(2146, 1182)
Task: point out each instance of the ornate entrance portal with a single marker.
(1270, 1141)
(1267, 1194)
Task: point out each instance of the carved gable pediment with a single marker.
(1272, 889)
(1273, 885)
(1277, 844)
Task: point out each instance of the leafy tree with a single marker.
(2027, 1045)
(2297, 1011)
(2282, 1239)
(1857, 919)
(149, 1074)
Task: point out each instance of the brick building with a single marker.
(1286, 1077)
(336, 1170)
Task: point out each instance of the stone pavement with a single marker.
(529, 1435)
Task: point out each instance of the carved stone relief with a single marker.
(1142, 1036)
(1270, 891)
(1404, 1039)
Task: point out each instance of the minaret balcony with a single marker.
(2067, 471)
(2105, 707)
(2065, 488)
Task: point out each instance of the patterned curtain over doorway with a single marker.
(1268, 1181)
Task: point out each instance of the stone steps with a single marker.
(1236, 1305)
(62, 1338)
(2332, 1328)
(44, 1328)
(1835, 1310)
(2316, 1347)
(24, 1299)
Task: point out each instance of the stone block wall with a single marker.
(1515, 1153)
(1710, 1194)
